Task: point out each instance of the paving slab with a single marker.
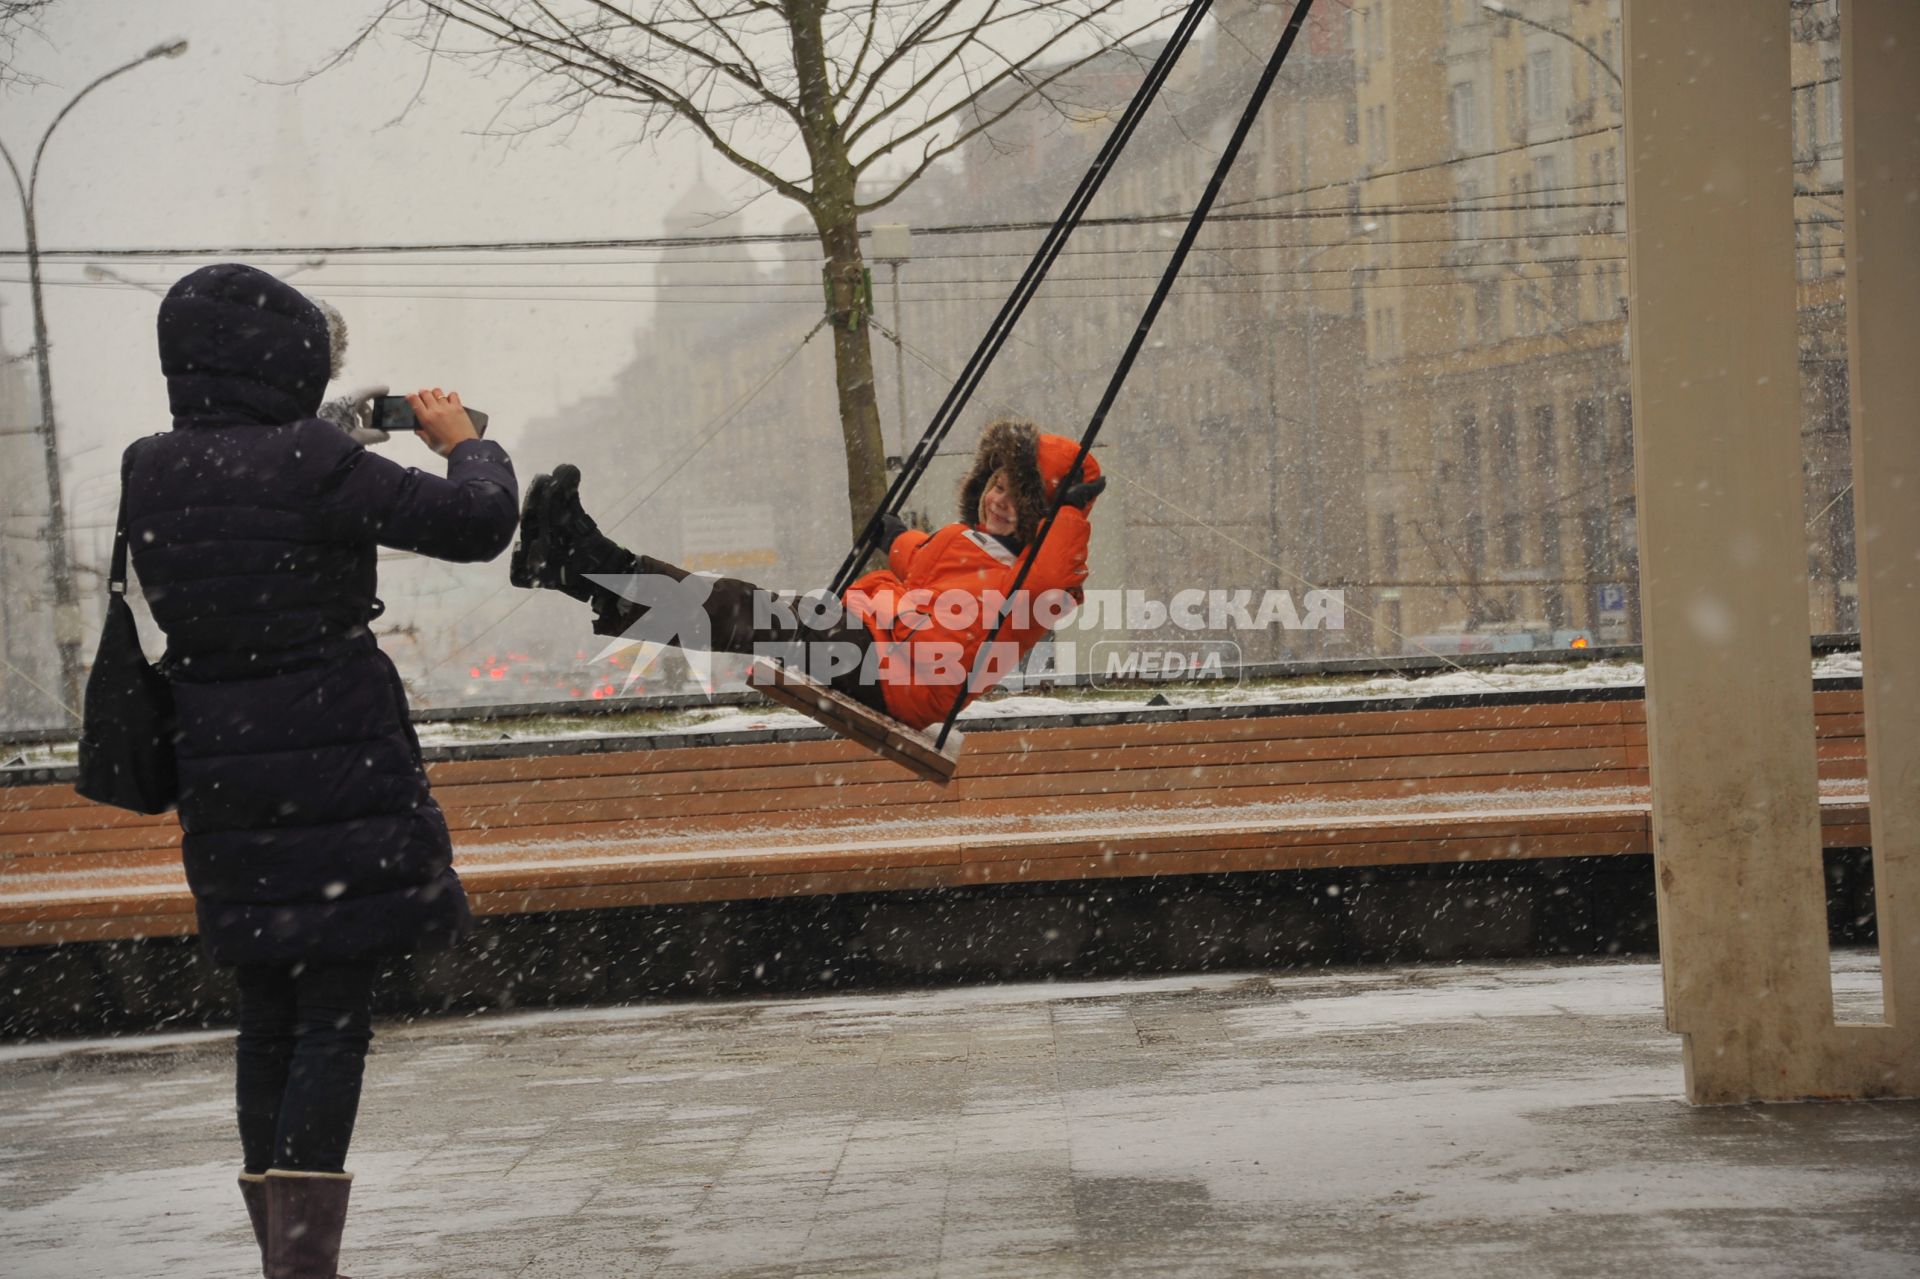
(1433, 1121)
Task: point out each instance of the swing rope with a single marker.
(1152, 313)
(1023, 291)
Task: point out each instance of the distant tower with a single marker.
(698, 212)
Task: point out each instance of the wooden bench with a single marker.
(1217, 790)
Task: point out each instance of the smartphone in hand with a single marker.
(392, 414)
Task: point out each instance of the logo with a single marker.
(1150, 661)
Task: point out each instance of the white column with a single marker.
(1736, 823)
(1880, 93)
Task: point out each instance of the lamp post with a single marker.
(66, 608)
(1314, 521)
(1500, 10)
(892, 244)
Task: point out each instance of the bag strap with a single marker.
(117, 570)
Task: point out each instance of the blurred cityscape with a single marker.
(1396, 365)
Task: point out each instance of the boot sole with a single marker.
(532, 533)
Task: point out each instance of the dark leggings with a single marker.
(730, 608)
(304, 1032)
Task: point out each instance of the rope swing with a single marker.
(934, 759)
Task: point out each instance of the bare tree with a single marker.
(836, 105)
(16, 16)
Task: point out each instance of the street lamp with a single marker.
(306, 264)
(104, 275)
(1500, 10)
(66, 608)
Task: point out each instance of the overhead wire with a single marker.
(707, 435)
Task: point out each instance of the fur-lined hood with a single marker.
(1037, 462)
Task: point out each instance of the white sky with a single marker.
(207, 150)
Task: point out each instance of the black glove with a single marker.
(1084, 491)
(891, 527)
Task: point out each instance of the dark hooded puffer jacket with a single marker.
(309, 830)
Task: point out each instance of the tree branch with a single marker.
(1015, 70)
(644, 88)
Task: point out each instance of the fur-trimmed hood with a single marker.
(1037, 462)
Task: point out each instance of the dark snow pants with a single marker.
(744, 618)
(304, 1032)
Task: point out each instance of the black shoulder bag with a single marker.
(127, 729)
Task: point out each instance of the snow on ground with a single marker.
(1517, 677)
(1439, 1121)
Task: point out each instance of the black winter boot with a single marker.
(306, 1215)
(560, 544)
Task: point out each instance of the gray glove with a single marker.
(1083, 492)
(353, 413)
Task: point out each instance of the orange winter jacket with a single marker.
(930, 609)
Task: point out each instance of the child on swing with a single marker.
(907, 634)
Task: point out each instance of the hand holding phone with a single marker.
(438, 418)
(393, 413)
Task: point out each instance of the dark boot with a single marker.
(559, 542)
(561, 549)
(306, 1214)
(253, 1189)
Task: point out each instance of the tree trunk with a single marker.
(853, 371)
(834, 204)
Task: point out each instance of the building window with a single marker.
(1546, 182)
(1517, 104)
(1389, 545)
(1376, 135)
(1466, 118)
(1590, 436)
(1550, 557)
(1594, 543)
(1830, 103)
(1546, 459)
(1506, 443)
(1353, 124)
(1466, 217)
(1386, 334)
(1554, 600)
(1566, 297)
(1486, 307)
(1510, 534)
(1469, 428)
(1540, 86)
(1374, 23)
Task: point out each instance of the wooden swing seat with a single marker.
(881, 734)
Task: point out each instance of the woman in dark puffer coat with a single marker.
(311, 843)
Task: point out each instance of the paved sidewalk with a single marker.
(1514, 1119)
